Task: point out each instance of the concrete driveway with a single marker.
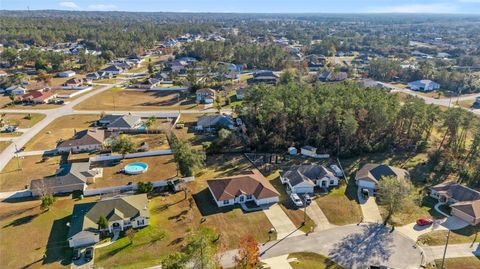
(414, 231)
(279, 262)
(316, 214)
(281, 222)
(81, 263)
(370, 210)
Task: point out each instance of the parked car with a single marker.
(307, 199)
(296, 199)
(338, 172)
(77, 254)
(424, 222)
(89, 254)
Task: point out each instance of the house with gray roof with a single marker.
(121, 213)
(424, 85)
(121, 122)
(69, 178)
(464, 201)
(209, 122)
(371, 174)
(304, 178)
(84, 141)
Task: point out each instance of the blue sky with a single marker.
(259, 6)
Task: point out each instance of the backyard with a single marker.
(61, 128)
(20, 171)
(137, 100)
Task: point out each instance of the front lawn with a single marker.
(411, 212)
(23, 120)
(340, 205)
(309, 260)
(460, 263)
(464, 235)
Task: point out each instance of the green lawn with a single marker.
(465, 235)
(460, 263)
(412, 211)
(340, 205)
(308, 260)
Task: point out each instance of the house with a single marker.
(148, 83)
(112, 70)
(3, 73)
(264, 76)
(370, 83)
(309, 151)
(424, 85)
(240, 93)
(332, 76)
(70, 178)
(209, 122)
(93, 76)
(16, 90)
(121, 122)
(464, 201)
(66, 74)
(84, 141)
(121, 213)
(73, 82)
(303, 178)
(205, 96)
(37, 97)
(371, 174)
(292, 151)
(251, 186)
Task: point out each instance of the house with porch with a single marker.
(121, 122)
(368, 177)
(463, 201)
(250, 186)
(84, 141)
(121, 212)
(304, 178)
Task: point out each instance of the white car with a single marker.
(296, 199)
(338, 172)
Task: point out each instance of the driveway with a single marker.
(281, 222)
(81, 263)
(316, 214)
(414, 231)
(370, 210)
(453, 251)
(280, 262)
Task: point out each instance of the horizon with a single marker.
(440, 7)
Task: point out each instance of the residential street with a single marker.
(453, 251)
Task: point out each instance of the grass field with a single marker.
(411, 212)
(32, 167)
(460, 263)
(340, 206)
(309, 260)
(21, 120)
(62, 128)
(137, 100)
(4, 145)
(465, 235)
(154, 141)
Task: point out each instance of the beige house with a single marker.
(84, 141)
(371, 174)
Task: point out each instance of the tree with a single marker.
(151, 121)
(144, 187)
(102, 222)
(248, 253)
(189, 161)
(201, 248)
(108, 55)
(218, 103)
(47, 201)
(393, 193)
(176, 260)
(10, 55)
(123, 145)
(151, 68)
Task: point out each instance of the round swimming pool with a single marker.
(136, 168)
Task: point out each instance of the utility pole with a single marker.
(445, 251)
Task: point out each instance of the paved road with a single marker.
(351, 246)
(453, 251)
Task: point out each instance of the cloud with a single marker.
(71, 5)
(102, 7)
(417, 8)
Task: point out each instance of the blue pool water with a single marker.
(136, 168)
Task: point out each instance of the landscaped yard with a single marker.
(21, 119)
(28, 234)
(411, 212)
(340, 205)
(460, 263)
(465, 235)
(309, 260)
(32, 167)
(159, 168)
(62, 128)
(137, 100)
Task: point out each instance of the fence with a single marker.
(110, 157)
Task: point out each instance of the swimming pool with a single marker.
(135, 168)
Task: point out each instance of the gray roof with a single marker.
(310, 148)
(71, 174)
(85, 216)
(456, 191)
(375, 172)
(84, 138)
(215, 120)
(307, 173)
(125, 121)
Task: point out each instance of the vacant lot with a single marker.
(154, 141)
(159, 168)
(307, 260)
(32, 238)
(137, 100)
(20, 171)
(22, 120)
(460, 263)
(62, 128)
(173, 217)
(4, 145)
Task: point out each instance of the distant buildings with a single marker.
(424, 85)
(264, 76)
(205, 96)
(67, 74)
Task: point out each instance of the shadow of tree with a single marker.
(373, 243)
(57, 247)
(21, 221)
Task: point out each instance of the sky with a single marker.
(254, 6)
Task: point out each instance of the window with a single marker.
(226, 202)
(332, 182)
(242, 199)
(249, 197)
(140, 222)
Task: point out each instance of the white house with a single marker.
(423, 85)
(112, 70)
(304, 178)
(16, 90)
(309, 151)
(292, 151)
(250, 186)
(121, 213)
(67, 74)
(370, 174)
(206, 96)
(83, 141)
